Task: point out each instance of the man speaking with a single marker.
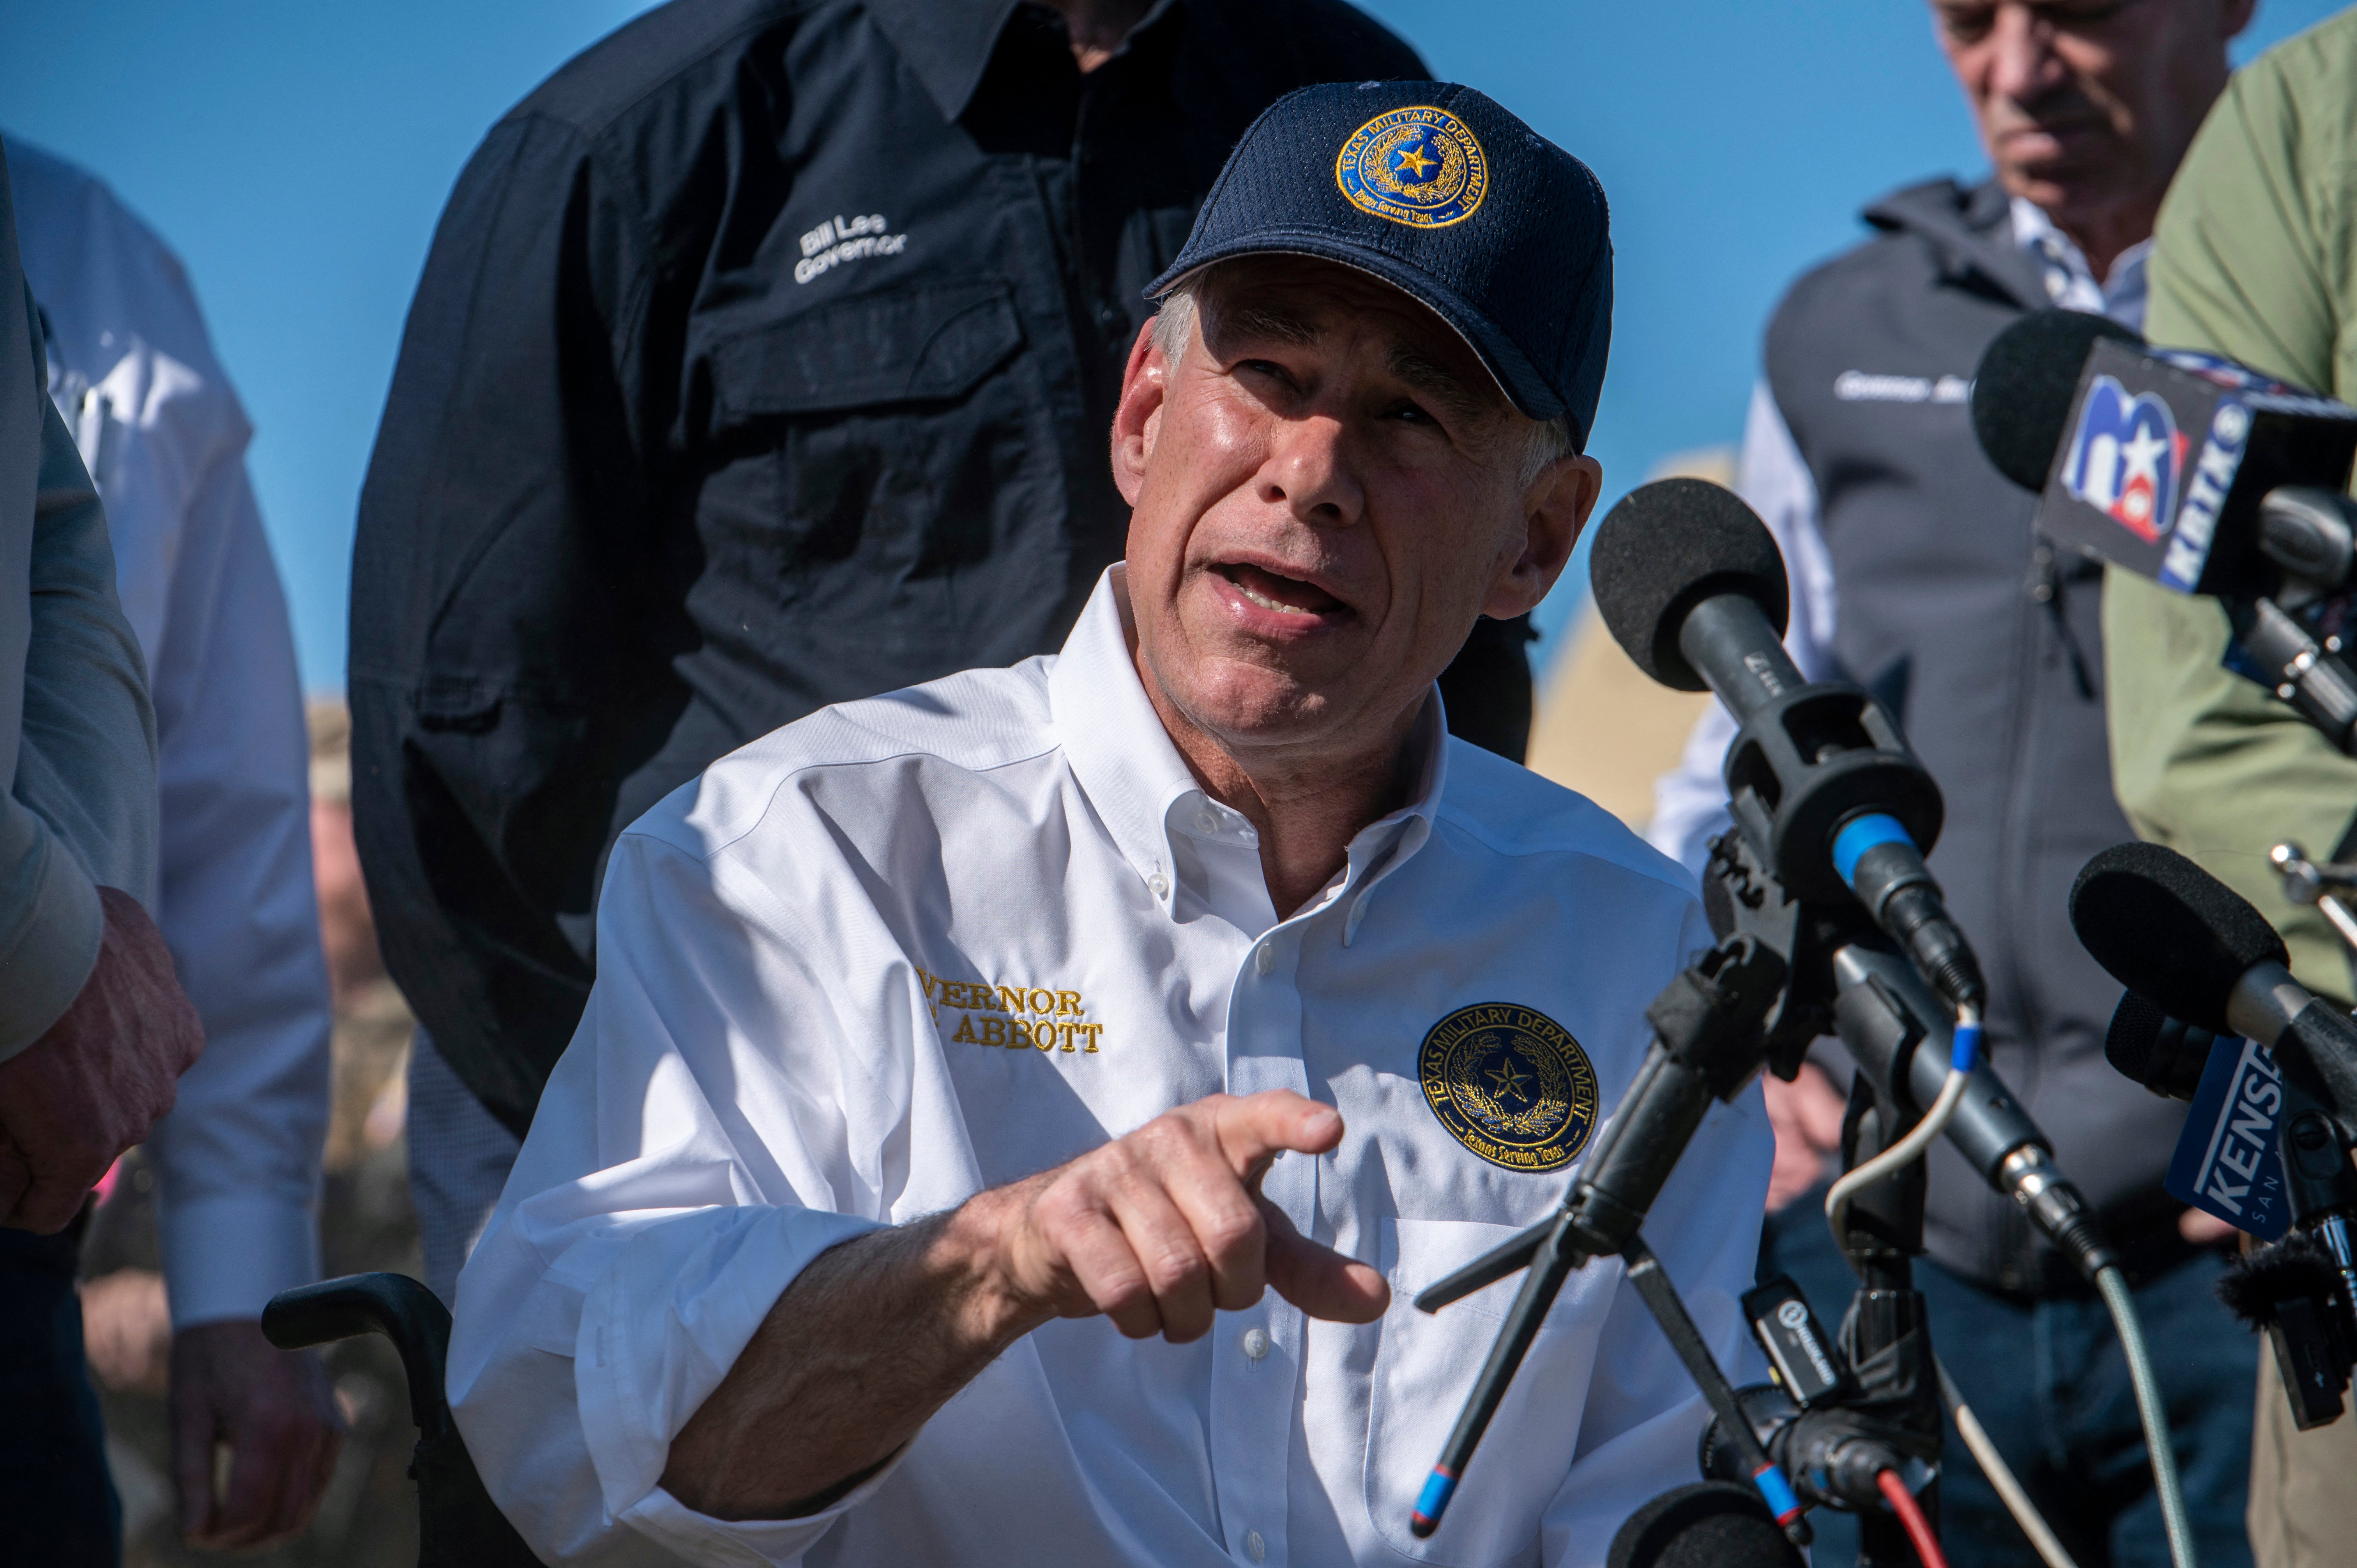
(1013, 1113)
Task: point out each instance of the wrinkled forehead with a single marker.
(1306, 302)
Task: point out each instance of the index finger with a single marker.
(1257, 1128)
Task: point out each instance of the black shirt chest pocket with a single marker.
(875, 459)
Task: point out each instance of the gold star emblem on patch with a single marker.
(1416, 158)
(1507, 1079)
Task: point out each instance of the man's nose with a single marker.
(1309, 472)
(2023, 66)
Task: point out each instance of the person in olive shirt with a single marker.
(765, 358)
(2254, 258)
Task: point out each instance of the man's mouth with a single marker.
(1280, 594)
(2039, 139)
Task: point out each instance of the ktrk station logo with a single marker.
(2126, 458)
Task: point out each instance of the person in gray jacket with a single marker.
(94, 1030)
(1917, 572)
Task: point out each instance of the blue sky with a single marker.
(297, 153)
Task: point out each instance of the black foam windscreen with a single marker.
(1710, 1524)
(2028, 377)
(2260, 1281)
(2166, 1055)
(2169, 930)
(2134, 1037)
(1665, 549)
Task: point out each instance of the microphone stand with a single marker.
(1757, 999)
(2312, 677)
(1886, 1336)
(2331, 885)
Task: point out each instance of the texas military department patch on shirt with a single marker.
(1511, 1084)
(1418, 165)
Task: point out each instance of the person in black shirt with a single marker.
(765, 358)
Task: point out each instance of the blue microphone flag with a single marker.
(2227, 1162)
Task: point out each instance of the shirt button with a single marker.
(1255, 1343)
(1160, 884)
(1208, 822)
(1254, 1546)
(1265, 958)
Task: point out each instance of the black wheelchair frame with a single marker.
(457, 1524)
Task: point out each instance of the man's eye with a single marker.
(1410, 414)
(2083, 13)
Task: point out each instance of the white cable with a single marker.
(1964, 1056)
(2000, 1474)
(2165, 1481)
(1911, 1147)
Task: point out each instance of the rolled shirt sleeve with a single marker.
(647, 1228)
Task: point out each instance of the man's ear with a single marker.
(1137, 418)
(1555, 511)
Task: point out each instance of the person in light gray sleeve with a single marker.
(131, 367)
(94, 1030)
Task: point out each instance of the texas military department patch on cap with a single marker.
(1511, 1084)
(1418, 165)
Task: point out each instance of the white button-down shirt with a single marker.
(912, 948)
(1690, 800)
(161, 431)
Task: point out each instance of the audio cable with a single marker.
(1964, 1055)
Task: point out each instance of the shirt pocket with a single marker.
(878, 464)
(1426, 1366)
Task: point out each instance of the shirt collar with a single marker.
(2070, 282)
(1142, 788)
(948, 43)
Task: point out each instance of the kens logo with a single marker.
(2244, 1135)
(1019, 1017)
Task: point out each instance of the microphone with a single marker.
(2226, 1162)
(2158, 460)
(1820, 779)
(1710, 1524)
(1903, 1041)
(2027, 383)
(2166, 1055)
(2292, 1291)
(2163, 926)
(2197, 472)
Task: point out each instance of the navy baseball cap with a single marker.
(1441, 193)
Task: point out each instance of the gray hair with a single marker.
(1546, 441)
